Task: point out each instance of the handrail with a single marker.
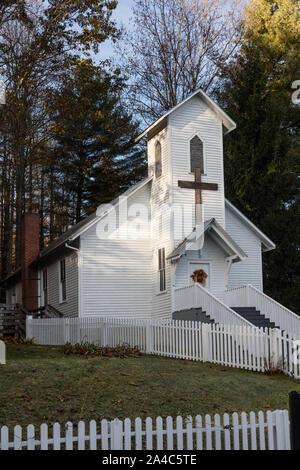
(215, 308)
(275, 302)
(47, 311)
(250, 296)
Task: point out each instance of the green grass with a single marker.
(39, 384)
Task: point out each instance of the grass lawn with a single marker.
(39, 384)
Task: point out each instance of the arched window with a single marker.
(197, 154)
(158, 163)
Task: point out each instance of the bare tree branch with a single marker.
(176, 47)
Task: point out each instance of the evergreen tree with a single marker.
(95, 137)
(39, 41)
(262, 159)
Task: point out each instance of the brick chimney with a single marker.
(30, 249)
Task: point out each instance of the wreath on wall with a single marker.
(199, 276)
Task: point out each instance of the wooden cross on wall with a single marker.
(198, 186)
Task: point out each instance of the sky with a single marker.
(122, 15)
(123, 10)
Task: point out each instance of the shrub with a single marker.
(88, 349)
(15, 340)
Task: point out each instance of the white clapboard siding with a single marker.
(253, 431)
(248, 271)
(245, 347)
(69, 308)
(116, 272)
(162, 236)
(195, 118)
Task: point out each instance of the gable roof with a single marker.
(67, 235)
(228, 123)
(219, 233)
(104, 209)
(267, 244)
(78, 229)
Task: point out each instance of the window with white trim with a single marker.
(197, 154)
(162, 269)
(63, 284)
(158, 162)
(45, 286)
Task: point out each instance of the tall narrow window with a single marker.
(197, 154)
(162, 269)
(45, 287)
(158, 162)
(63, 285)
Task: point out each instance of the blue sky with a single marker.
(122, 15)
(123, 10)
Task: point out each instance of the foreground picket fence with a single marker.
(257, 349)
(243, 431)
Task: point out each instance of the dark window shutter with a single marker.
(158, 162)
(197, 154)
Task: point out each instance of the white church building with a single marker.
(171, 246)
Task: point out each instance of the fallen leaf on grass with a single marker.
(133, 384)
(62, 399)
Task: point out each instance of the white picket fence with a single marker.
(259, 431)
(257, 349)
(251, 348)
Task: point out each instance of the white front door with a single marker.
(195, 266)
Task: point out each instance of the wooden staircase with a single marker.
(255, 317)
(192, 314)
(12, 320)
(46, 312)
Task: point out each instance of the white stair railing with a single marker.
(196, 296)
(250, 296)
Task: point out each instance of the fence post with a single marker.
(273, 348)
(294, 400)
(116, 433)
(2, 353)
(280, 420)
(67, 330)
(29, 333)
(149, 342)
(205, 332)
(247, 295)
(105, 340)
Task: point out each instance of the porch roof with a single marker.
(218, 234)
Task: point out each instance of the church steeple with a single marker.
(191, 138)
